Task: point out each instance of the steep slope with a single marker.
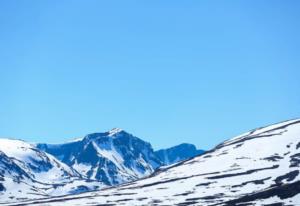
(112, 157)
(177, 153)
(26, 172)
(9, 171)
(258, 167)
(36, 163)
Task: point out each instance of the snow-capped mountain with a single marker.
(260, 167)
(26, 172)
(178, 153)
(99, 160)
(112, 157)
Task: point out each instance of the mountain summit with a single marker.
(178, 153)
(113, 157)
(115, 131)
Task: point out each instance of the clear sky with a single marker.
(167, 71)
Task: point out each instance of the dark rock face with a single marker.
(2, 188)
(178, 153)
(282, 191)
(295, 160)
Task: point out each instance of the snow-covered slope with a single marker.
(112, 157)
(178, 153)
(259, 167)
(26, 172)
(36, 164)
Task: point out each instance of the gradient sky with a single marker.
(167, 71)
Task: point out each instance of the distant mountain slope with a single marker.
(178, 153)
(112, 157)
(260, 167)
(26, 172)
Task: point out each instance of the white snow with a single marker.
(225, 173)
(44, 172)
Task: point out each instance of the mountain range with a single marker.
(96, 161)
(259, 167)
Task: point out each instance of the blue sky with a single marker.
(166, 71)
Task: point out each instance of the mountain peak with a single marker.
(114, 131)
(178, 153)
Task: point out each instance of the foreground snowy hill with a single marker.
(26, 173)
(258, 167)
(112, 157)
(178, 153)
